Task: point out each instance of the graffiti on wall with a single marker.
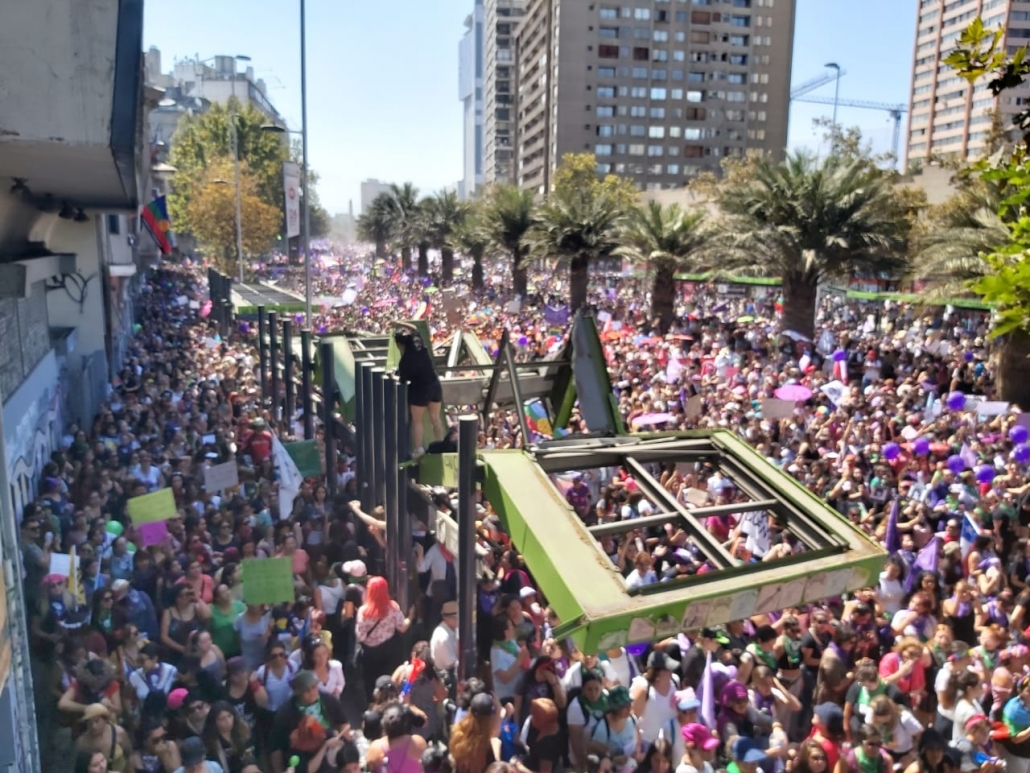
(34, 436)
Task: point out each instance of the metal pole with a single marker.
(367, 438)
(379, 426)
(397, 580)
(403, 436)
(305, 384)
(836, 98)
(273, 361)
(236, 175)
(288, 375)
(328, 420)
(306, 220)
(263, 351)
(361, 405)
(468, 440)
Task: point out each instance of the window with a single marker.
(605, 72)
(738, 40)
(640, 73)
(643, 14)
(691, 134)
(636, 150)
(605, 130)
(700, 17)
(659, 55)
(658, 75)
(641, 33)
(658, 94)
(735, 96)
(676, 94)
(638, 92)
(608, 32)
(638, 111)
(605, 111)
(657, 112)
(603, 168)
(113, 225)
(656, 132)
(637, 130)
(679, 56)
(696, 114)
(693, 151)
(655, 150)
(642, 54)
(695, 96)
(660, 36)
(673, 168)
(736, 77)
(608, 52)
(602, 150)
(738, 59)
(609, 13)
(740, 21)
(700, 37)
(695, 77)
(606, 92)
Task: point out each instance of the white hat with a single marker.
(355, 568)
(526, 592)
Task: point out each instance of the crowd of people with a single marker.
(147, 657)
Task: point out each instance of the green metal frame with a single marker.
(589, 594)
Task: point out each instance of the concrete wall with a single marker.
(57, 62)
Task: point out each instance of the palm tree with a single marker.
(805, 221)
(444, 212)
(663, 238)
(376, 225)
(470, 238)
(404, 214)
(577, 226)
(506, 220)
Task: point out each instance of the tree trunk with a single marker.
(519, 280)
(799, 305)
(579, 282)
(447, 263)
(477, 271)
(663, 296)
(1012, 368)
(406, 258)
(380, 249)
(423, 259)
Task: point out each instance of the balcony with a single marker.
(71, 95)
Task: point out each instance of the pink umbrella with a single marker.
(651, 419)
(795, 393)
(383, 304)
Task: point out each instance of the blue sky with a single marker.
(383, 76)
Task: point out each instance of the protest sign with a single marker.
(158, 506)
(153, 532)
(774, 408)
(61, 563)
(267, 580)
(221, 477)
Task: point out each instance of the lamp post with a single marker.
(836, 96)
(236, 166)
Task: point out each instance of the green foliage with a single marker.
(578, 171)
(665, 237)
(442, 214)
(405, 215)
(376, 224)
(507, 217)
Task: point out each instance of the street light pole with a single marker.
(306, 222)
(836, 96)
(236, 166)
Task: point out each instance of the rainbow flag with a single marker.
(155, 218)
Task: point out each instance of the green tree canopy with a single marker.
(508, 215)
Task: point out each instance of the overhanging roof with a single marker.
(590, 595)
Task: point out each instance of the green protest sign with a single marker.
(306, 456)
(150, 508)
(267, 580)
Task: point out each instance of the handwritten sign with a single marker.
(221, 477)
(61, 563)
(267, 580)
(774, 409)
(158, 506)
(153, 532)
(693, 406)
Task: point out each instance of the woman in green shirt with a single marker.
(224, 612)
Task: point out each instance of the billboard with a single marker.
(291, 187)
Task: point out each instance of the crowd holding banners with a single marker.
(181, 646)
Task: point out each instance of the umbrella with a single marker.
(794, 335)
(650, 419)
(795, 393)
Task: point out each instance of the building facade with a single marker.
(948, 117)
(370, 190)
(502, 18)
(470, 92)
(658, 90)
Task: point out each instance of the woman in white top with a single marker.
(891, 591)
(642, 573)
(898, 728)
(276, 675)
(314, 656)
(969, 689)
(654, 697)
(329, 591)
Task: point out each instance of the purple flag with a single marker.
(926, 561)
(556, 315)
(892, 539)
(708, 694)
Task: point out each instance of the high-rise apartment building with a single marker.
(501, 20)
(370, 190)
(948, 117)
(657, 89)
(470, 92)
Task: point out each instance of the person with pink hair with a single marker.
(379, 622)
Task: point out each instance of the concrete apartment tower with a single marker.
(948, 117)
(657, 89)
(501, 20)
(470, 92)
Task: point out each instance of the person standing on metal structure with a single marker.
(424, 389)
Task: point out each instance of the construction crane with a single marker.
(815, 83)
(895, 111)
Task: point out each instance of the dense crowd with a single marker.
(148, 658)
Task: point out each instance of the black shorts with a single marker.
(422, 395)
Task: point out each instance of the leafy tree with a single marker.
(1006, 282)
(579, 171)
(664, 239)
(470, 237)
(405, 225)
(212, 210)
(805, 221)
(376, 225)
(576, 226)
(507, 218)
(444, 212)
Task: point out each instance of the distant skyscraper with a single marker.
(948, 117)
(370, 189)
(501, 20)
(470, 92)
(657, 90)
